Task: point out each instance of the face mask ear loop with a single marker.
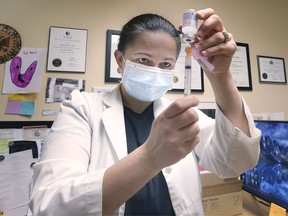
(123, 57)
(119, 70)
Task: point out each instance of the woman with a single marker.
(131, 152)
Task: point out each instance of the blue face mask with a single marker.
(146, 83)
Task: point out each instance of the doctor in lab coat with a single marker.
(87, 166)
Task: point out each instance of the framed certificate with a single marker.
(271, 69)
(197, 83)
(111, 72)
(240, 67)
(67, 49)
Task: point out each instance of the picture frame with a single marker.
(240, 67)
(271, 69)
(111, 66)
(197, 78)
(67, 49)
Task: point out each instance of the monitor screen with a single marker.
(268, 180)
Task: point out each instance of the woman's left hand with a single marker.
(214, 42)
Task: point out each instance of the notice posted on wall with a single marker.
(59, 89)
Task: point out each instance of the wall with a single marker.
(260, 23)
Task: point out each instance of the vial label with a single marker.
(189, 25)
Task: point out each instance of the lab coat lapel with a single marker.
(113, 120)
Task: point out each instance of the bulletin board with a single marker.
(18, 141)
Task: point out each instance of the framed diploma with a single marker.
(111, 72)
(67, 49)
(271, 69)
(240, 67)
(197, 83)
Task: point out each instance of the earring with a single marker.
(119, 70)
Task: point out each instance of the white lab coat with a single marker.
(88, 136)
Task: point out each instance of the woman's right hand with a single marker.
(174, 133)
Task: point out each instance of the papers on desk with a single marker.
(15, 182)
(6, 135)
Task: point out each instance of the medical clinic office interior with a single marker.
(262, 24)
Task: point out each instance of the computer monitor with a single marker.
(268, 180)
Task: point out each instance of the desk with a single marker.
(251, 207)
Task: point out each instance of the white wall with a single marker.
(260, 23)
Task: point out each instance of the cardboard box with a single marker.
(223, 205)
(208, 178)
(221, 196)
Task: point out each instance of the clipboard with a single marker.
(22, 145)
(16, 184)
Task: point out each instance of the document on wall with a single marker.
(15, 180)
(179, 76)
(67, 49)
(6, 135)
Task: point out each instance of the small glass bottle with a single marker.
(189, 25)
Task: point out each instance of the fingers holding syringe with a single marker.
(174, 133)
(180, 105)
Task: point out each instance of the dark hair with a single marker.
(143, 23)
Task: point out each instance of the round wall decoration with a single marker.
(10, 43)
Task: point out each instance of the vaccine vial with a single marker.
(189, 25)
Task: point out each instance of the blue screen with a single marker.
(268, 180)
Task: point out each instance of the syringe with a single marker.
(188, 69)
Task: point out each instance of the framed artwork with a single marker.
(67, 49)
(111, 73)
(241, 68)
(10, 43)
(271, 69)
